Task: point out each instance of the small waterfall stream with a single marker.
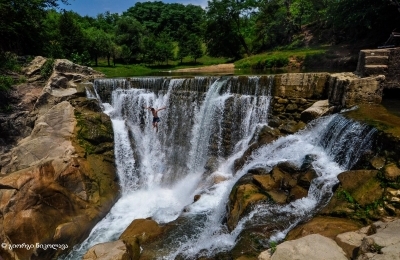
(208, 123)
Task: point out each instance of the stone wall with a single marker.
(380, 62)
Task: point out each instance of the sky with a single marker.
(94, 7)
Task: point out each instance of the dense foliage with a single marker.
(156, 32)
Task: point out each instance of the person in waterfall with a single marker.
(156, 119)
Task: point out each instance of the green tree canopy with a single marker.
(20, 24)
(129, 32)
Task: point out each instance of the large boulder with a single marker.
(312, 247)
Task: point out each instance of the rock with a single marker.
(138, 233)
(291, 108)
(312, 247)
(116, 250)
(53, 189)
(378, 162)
(351, 241)
(196, 197)
(384, 244)
(361, 185)
(318, 109)
(266, 182)
(274, 122)
(291, 127)
(265, 136)
(240, 199)
(323, 225)
(358, 187)
(281, 185)
(297, 192)
(391, 172)
(32, 71)
(52, 132)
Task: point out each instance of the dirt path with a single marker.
(213, 68)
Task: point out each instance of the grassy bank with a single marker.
(282, 58)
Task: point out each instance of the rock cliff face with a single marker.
(59, 180)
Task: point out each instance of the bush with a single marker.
(9, 61)
(47, 69)
(5, 83)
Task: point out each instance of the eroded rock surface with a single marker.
(59, 180)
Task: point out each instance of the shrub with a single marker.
(47, 69)
(5, 83)
(9, 61)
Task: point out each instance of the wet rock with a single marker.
(362, 185)
(274, 122)
(196, 197)
(266, 135)
(291, 127)
(283, 184)
(240, 199)
(139, 232)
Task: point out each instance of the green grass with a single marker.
(280, 58)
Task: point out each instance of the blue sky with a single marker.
(94, 7)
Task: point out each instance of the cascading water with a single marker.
(207, 125)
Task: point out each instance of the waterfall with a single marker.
(161, 172)
(208, 123)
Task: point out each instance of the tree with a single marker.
(164, 48)
(71, 34)
(353, 20)
(99, 43)
(20, 24)
(274, 24)
(157, 17)
(129, 33)
(225, 27)
(183, 43)
(195, 47)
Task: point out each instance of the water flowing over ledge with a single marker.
(209, 123)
